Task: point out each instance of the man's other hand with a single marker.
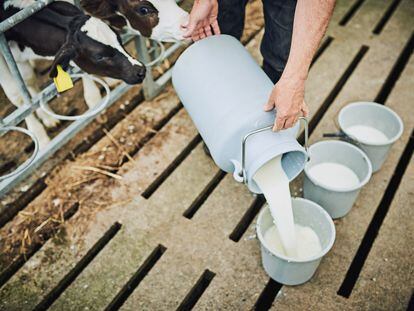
(203, 20)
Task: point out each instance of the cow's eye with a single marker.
(99, 57)
(144, 10)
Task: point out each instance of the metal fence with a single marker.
(151, 88)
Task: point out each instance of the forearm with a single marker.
(310, 23)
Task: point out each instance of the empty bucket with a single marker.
(286, 270)
(377, 117)
(338, 197)
(224, 91)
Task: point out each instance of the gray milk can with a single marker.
(224, 91)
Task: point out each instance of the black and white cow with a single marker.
(63, 33)
(156, 19)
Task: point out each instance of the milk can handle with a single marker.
(242, 173)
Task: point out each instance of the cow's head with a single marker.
(95, 48)
(156, 19)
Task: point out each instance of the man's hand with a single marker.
(288, 99)
(203, 20)
(311, 20)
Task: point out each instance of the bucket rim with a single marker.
(376, 105)
(286, 258)
(361, 184)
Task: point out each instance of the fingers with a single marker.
(207, 31)
(201, 33)
(279, 123)
(305, 110)
(191, 26)
(284, 122)
(197, 31)
(290, 122)
(216, 28)
(196, 35)
(270, 105)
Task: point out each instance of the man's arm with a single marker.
(310, 23)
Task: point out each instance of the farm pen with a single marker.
(151, 88)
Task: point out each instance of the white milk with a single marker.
(272, 180)
(367, 134)
(334, 175)
(307, 242)
(286, 238)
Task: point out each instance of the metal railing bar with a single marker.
(14, 70)
(23, 14)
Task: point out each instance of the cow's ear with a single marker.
(99, 8)
(113, 3)
(117, 21)
(63, 57)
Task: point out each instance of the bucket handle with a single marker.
(242, 173)
(343, 136)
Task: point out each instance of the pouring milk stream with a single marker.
(286, 238)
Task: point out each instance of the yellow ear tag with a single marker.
(63, 81)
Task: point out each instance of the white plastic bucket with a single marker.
(377, 116)
(224, 91)
(283, 269)
(337, 202)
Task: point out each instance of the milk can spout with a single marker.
(241, 173)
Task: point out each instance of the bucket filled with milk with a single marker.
(224, 90)
(334, 175)
(373, 127)
(315, 236)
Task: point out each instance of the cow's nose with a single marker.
(140, 72)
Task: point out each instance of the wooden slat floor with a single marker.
(175, 231)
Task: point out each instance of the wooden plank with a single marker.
(364, 84)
